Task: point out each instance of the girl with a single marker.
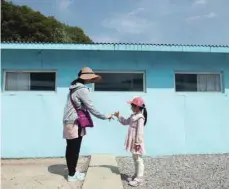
(135, 138)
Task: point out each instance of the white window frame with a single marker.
(28, 71)
(196, 72)
(122, 71)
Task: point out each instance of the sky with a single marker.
(143, 21)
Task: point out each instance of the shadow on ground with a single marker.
(114, 169)
(124, 177)
(58, 169)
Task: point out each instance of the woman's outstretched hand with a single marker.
(116, 114)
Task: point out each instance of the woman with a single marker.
(72, 133)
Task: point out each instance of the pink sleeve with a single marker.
(124, 121)
(140, 132)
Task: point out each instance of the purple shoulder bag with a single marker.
(84, 117)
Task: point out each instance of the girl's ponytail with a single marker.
(144, 114)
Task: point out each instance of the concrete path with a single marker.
(103, 173)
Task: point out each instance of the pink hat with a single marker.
(138, 101)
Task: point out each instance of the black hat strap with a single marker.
(87, 73)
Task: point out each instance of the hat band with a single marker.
(87, 73)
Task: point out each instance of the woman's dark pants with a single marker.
(72, 154)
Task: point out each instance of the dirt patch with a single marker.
(39, 173)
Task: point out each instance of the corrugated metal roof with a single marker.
(116, 46)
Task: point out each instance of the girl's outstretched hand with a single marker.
(110, 117)
(116, 114)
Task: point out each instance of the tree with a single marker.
(21, 23)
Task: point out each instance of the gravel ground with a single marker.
(39, 173)
(180, 172)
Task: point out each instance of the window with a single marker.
(30, 81)
(121, 81)
(198, 82)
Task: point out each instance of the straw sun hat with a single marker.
(88, 74)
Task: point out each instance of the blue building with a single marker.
(186, 89)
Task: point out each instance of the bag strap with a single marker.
(70, 96)
(71, 92)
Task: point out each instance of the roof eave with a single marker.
(117, 47)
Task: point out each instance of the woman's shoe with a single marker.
(76, 177)
(80, 174)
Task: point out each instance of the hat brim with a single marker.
(131, 102)
(91, 77)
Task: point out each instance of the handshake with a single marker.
(116, 114)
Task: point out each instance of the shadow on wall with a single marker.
(160, 66)
(158, 74)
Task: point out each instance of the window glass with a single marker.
(42, 81)
(198, 82)
(120, 82)
(30, 81)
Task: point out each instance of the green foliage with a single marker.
(21, 23)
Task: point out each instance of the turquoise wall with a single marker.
(179, 123)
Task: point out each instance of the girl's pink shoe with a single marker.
(136, 182)
(131, 178)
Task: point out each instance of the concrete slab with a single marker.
(103, 173)
(39, 174)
